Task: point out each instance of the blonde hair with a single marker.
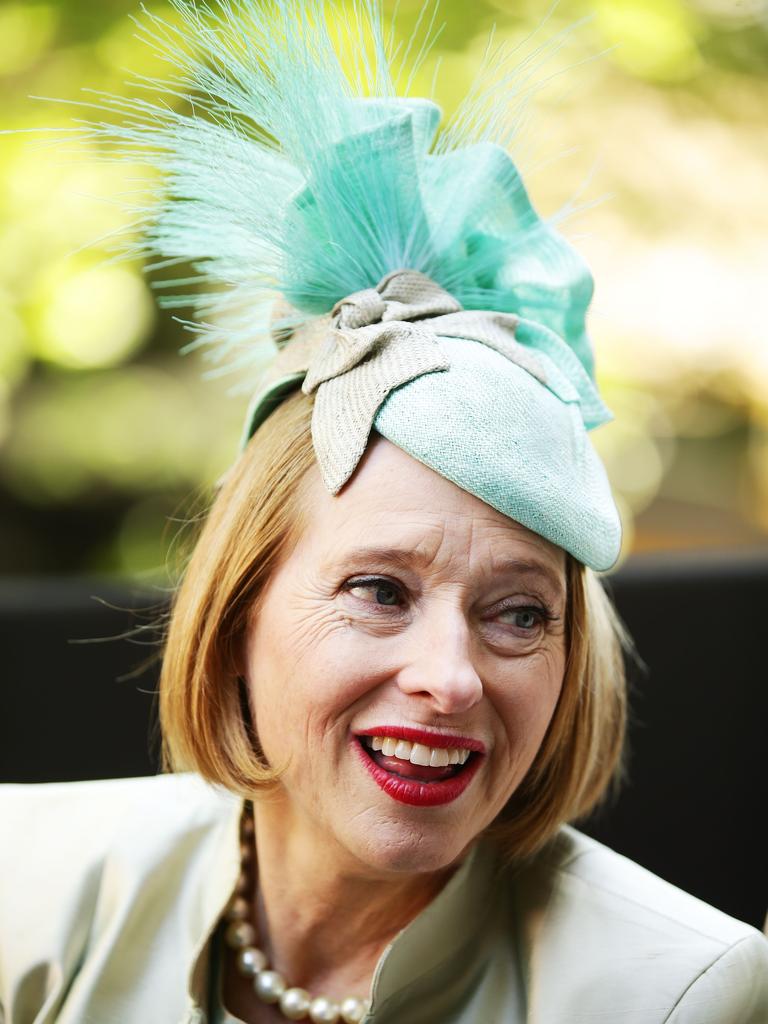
(254, 521)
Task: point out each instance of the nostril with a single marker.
(450, 690)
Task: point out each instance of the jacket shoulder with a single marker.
(95, 876)
(56, 834)
(602, 874)
(155, 789)
(636, 943)
(90, 815)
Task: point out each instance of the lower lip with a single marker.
(418, 794)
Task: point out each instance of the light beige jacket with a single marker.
(109, 892)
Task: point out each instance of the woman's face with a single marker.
(413, 612)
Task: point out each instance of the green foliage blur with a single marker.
(647, 135)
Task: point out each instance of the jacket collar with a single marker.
(448, 924)
(215, 891)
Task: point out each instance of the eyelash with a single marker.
(544, 614)
(372, 581)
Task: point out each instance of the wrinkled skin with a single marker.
(448, 638)
(462, 632)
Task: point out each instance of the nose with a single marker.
(439, 666)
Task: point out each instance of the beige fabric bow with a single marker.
(372, 342)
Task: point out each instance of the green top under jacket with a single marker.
(110, 893)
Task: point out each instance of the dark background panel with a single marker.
(693, 806)
(80, 664)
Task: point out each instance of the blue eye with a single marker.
(524, 618)
(379, 591)
(387, 594)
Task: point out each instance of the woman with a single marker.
(390, 655)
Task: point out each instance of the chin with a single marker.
(398, 844)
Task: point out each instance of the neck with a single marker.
(324, 917)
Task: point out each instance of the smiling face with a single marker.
(407, 604)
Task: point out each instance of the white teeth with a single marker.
(419, 753)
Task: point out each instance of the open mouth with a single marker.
(415, 760)
(415, 773)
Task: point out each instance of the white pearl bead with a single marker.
(238, 909)
(323, 1011)
(269, 986)
(240, 934)
(294, 1003)
(352, 1010)
(250, 961)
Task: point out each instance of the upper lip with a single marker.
(426, 736)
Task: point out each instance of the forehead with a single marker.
(393, 502)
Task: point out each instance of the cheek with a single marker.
(526, 696)
(304, 677)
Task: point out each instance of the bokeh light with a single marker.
(653, 39)
(92, 318)
(26, 30)
(649, 122)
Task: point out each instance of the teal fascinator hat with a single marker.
(397, 274)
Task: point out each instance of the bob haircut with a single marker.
(253, 523)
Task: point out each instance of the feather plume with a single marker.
(289, 165)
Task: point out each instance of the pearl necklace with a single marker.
(271, 986)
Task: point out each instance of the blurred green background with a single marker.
(654, 130)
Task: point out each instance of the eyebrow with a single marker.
(533, 569)
(408, 558)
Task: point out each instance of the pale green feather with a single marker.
(288, 169)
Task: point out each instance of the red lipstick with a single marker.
(429, 739)
(413, 791)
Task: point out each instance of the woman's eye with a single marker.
(523, 618)
(375, 591)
